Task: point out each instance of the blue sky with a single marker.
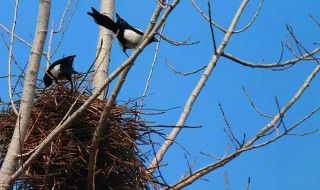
(290, 163)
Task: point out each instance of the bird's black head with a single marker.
(47, 80)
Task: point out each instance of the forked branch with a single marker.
(198, 88)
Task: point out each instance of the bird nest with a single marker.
(64, 164)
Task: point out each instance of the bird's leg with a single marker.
(71, 82)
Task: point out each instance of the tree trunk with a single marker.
(105, 39)
(101, 65)
(16, 145)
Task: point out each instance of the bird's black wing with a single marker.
(64, 61)
(103, 20)
(122, 21)
(67, 65)
(126, 25)
(60, 61)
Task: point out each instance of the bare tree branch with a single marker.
(299, 45)
(189, 172)
(253, 18)
(221, 28)
(174, 133)
(304, 134)
(151, 70)
(271, 65)
(62, 17)
(183, 73)
(229, 132)
(16, 36)
(253, 105)
(10, 57)
(210, 155)
(226, 178)
(207, 18)
(251, 143)
(211, 28)
(315, 20)
(67, 25)
(184, 42)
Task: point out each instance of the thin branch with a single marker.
(315, 20)
(226, 178)
(49, 47)
(89, 69)
(211, 28)
(253, 105)
(172, 126)
(151, 70)
(207, 18)
(62, 17)
(253, 18)
(66, 27)
(210, 155)
(288, 45)
(271, 65)
(299, 45)
(280, 58)
(226, 151)
(229, 132)
(281, 53)
(222, 29)
(183, 73)
(10, 57)
(189, 172)
(290, 29)
(183, 43)
(13, 58)
(16, 36)
(304, 134)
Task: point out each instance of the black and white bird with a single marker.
(61, 69)
(128, 36)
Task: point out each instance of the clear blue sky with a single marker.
(290, 163)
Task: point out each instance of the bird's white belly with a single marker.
(55, 71)
(132, 38)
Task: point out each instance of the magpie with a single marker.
(128, 36)
(60, 69)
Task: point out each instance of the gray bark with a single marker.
(103, 56)
(101, 67)
(15, 147)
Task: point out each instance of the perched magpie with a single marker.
(61, 69)
(128, 36)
